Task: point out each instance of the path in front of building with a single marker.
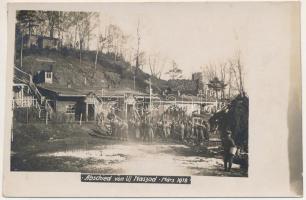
(146, 159)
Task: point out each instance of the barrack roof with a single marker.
(83, 92)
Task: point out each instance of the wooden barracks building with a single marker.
(88, 104)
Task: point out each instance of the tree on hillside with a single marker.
(63, 25)
(141, 60)
(53, 21)
(102, 41)
(83, 29)
(112, 39)
(237, 70)
(138, 46)
(115, 41)
(230, 79)
(42, 24)
(153, 63)
(217, 86)
(214, 72)
(228, 73)
(26, 21)
(174, 72)
(91, 26)
(72, 20)
(156, 65)
(210, 71)
(223, 73)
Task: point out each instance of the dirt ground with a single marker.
(80, 152)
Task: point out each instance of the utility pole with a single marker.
(150, 96)
(21, 50)
(134, 81)
(137, 53)
(138, 44)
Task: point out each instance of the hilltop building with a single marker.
(41, 42)
(199, 79)
(44, 74)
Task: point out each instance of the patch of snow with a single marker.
(88, 154)
(45, 60)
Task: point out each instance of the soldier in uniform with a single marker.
(124, 131)
(228, 144)
(182, 131)
(150, 132)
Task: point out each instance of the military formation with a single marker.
(172, 125)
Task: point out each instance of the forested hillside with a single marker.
(81, 55)
(68, 70)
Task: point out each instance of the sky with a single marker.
(199, 33)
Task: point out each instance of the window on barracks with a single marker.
(70, 109)
(48, 74)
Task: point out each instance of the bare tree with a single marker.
(210, 71)
(84, 29)
(27, 20)
(213, 71)
(152, 62)
(222, 77)
(156, 65)
(116, 40)
(101, 41)
(141, 60)
(100, 46)
(53, 19)
(229, 81)
(175, 72)
(237, 70)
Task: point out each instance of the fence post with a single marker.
(81, 119)
(27, 115)
(21, 96)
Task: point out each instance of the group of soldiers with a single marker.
(184, 130)
(118, 128)
(147, 129)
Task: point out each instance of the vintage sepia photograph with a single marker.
(152, 99)
(113, 92)
(97, 92)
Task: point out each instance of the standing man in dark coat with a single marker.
(124, 131)
(111, 117)
(229, 145)
(116, 128)
(142, 129)
(206, 130)
(172, 127)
